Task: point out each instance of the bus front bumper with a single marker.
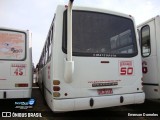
(97, 102)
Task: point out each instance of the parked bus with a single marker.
(149, 39)
(100, 67)
(15, 64)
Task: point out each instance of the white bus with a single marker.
(105, 67)
(15, 64)
(149, 33)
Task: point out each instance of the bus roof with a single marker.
(14, 29)
(93, 9)
(149, 20)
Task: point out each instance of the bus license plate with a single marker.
(105, 91)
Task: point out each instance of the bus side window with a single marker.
(43, 58)
(145, 41)
(46, 52)
(139, 37)
(50, 44)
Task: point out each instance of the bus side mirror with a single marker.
(68, 71)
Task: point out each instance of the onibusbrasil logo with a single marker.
(31, 102)
(25, 104)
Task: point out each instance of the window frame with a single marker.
(64, 37)
(25, 53)
(142, 40)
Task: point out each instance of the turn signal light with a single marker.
(56, 82)
(56, 94)
(56, 88)
(142, 79)
(21, 85)
(142, 83)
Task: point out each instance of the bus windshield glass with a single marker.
(12, 45)
(100, 34)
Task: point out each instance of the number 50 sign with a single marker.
(18, 70)
(126, 68)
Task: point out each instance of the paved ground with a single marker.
(120, 112)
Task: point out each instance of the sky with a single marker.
(36, 15)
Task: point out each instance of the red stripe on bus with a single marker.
(3, 79)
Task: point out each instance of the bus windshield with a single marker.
(100, 34)
(12, 45)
